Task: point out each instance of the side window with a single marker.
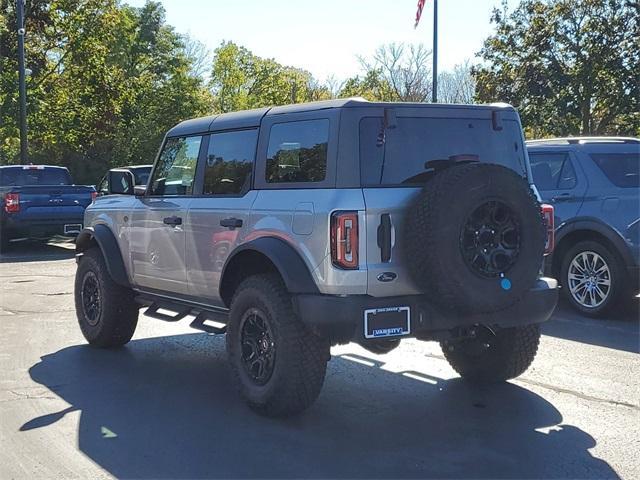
(230, 162)
(103, 188)
(552, 171)
(298, 151)
(622, 169)
(567, 178)
(176, 169)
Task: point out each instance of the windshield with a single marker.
(415, 141)
(16, 176)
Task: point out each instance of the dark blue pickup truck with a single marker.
(40, 201)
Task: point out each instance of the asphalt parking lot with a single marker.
(165, 407)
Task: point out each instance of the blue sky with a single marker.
(324, 36)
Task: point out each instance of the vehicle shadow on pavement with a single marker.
(38, 251)
(621, 332)
(167, 408)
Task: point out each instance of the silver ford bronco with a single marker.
(295, 228)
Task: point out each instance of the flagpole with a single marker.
(22, 88)
(434, 98)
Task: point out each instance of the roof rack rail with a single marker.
(583, 140)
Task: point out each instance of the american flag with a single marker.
(419, 12)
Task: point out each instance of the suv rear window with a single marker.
(34, 176)
(622, 169)
(298, 151)
(415, 141)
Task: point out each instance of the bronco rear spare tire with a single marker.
(475, 238)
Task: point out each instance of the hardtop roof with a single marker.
(252, 118)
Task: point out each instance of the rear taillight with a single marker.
(94, 195)
(549, 224)
(344, 240)
(12, 202)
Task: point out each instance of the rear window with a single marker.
(405, 149)
(622, 169)
(141, 175)
(17, 176)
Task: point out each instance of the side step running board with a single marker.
(210, 320)
(153, 312)
(199, 323)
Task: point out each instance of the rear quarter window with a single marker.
(622, 169)
(298, 151)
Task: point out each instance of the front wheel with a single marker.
(278, 363)
(107, 312)
(490, 357)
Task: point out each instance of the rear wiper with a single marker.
(389, 122)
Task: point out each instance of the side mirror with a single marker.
(139, 190)
(121, 181)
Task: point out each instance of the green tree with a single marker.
(371, 86)
(240, 80)
(108, 80)
(570, 66)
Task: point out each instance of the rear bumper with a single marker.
(341, 319)
(25, 227)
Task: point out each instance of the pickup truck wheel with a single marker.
(107, 312)
(491, 358)
(593, 279)
(279, 365)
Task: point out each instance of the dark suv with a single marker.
(593, 184)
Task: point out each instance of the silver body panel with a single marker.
(188, 259)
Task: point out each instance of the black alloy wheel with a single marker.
(91, 301)
(258, 346)
(490, 239)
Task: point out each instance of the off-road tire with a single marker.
(509, 354)
(434, 229)
(300, 356)
(620, 294)
(117, 316)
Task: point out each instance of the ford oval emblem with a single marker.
(387, 277)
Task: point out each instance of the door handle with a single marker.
(231, 223)
(173, 221)
(384, 237)
(564, 197)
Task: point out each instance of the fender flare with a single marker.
(595, 225)
(285, 258)
(106, 240)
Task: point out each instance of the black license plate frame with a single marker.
(387, 322)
